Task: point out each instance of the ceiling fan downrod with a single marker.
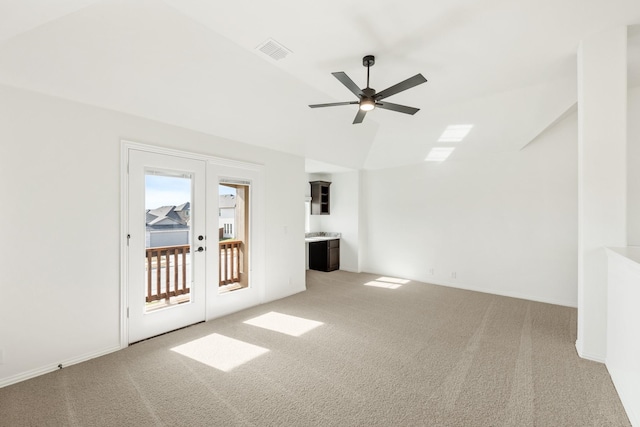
(368, 62)
(367, 100)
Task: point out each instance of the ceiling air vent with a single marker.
(274, 49)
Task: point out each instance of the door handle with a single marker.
(200, 249)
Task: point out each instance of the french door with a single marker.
(166, 243)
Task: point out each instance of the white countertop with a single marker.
(319, 238)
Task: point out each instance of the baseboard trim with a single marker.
(282, 295)
(588, 356)
(54, 366)
(502, 293)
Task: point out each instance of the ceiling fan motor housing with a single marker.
(368, 61)
(368, 92)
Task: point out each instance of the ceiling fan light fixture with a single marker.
(367, 104)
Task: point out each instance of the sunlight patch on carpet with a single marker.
(392, 280)
(387, 282)
(220, 352)
(378, 284)
(284, 323)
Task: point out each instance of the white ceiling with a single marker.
(315, 166)
(508, 68)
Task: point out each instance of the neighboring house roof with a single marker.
(163, 211)
(168, 216)
(183, 207)
(179, 216)
(149, 217)
(166, 221)
(183, 211)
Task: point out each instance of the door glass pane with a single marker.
(168, 239)
(233, 236)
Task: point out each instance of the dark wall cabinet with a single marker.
(324, 255)
(320, 197)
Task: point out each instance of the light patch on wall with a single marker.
(220, 352)
(284, 323)
(455, 133)
(439, 154)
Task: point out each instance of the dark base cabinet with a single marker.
(324, 255)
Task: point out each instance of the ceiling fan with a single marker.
(369, 99)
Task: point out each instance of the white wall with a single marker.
(344, 215)
(505, 223)
(633, 167)
(623, 327)
(60, 224)
(602, 178)
(623, 292)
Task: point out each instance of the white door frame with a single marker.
(216, 304)
(221, 304)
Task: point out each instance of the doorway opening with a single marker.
(233, 235)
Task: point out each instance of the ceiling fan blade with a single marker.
(404, 85)
(397, 107)
(333, 104)
(359, 117)
(345, 80)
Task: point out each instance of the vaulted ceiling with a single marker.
(507, 68)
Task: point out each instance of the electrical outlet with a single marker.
(431, 272)
(1, 356)
(453, 274)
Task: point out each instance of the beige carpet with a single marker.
(360, 351)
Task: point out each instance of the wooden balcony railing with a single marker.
(167, 269)
(229, 265)
(173, 281)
